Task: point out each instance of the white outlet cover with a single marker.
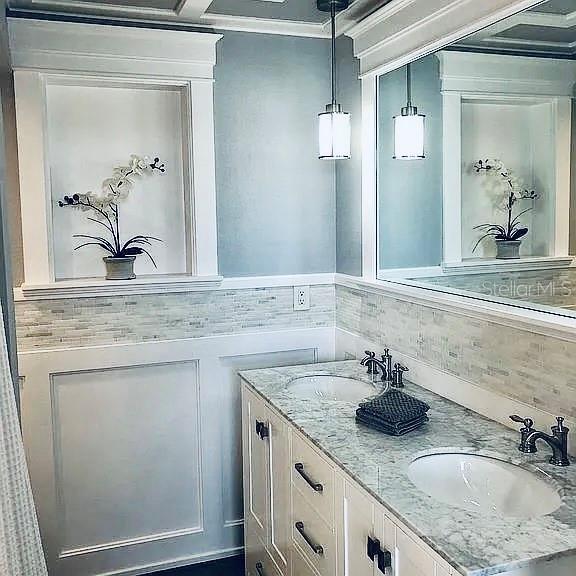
(301, 297)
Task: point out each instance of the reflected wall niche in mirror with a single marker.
(484, 210)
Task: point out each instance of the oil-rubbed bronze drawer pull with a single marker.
(262, 430)
(316, 486)
(260, 569)
(316, 548)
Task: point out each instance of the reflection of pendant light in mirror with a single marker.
(409, 127)
(334, 124)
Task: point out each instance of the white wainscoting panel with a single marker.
(134, 449)
(231, 448)
(132, 479)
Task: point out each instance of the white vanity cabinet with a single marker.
(265, 441)
(305, 517)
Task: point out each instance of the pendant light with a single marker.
(409, 127)
(334, 123)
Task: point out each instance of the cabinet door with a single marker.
(412, 559)
(358, 525)
(256, 470)
(279, 490)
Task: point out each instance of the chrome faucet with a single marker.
(558, 441)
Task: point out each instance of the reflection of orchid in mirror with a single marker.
(104, 206)
(512, 192)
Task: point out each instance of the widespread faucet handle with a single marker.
(368, 361)
(560, 426)
(528, 422)
(398, 375)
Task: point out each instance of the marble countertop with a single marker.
(474, 544)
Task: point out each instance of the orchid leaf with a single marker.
(521, 232)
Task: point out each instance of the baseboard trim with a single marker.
(185, 561)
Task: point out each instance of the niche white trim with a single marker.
(79, 54)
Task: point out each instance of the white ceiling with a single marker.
(548, 29)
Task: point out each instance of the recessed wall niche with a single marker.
(517, 109)
(93, 127)
(521, 133)
(87, 97)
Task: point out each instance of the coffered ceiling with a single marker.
(299, 17)
(547, 29)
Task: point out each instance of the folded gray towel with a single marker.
(390, 429)
(394, 407)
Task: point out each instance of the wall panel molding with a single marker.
(219, 532)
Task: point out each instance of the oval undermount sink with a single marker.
(333, 388)
(484, 484)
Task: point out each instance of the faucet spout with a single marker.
(557, 441)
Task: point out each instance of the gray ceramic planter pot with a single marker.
(508, 249)
(120, 268)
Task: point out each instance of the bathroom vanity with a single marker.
(325, 496)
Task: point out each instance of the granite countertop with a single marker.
(474, 544)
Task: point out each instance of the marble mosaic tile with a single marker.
(532, 368)
(64, 323)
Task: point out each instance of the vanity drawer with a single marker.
(312, 536)
(301, 566)
(313, 476)
(258, 560)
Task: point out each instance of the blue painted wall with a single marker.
(349, 172)
(276, 200)
(410, 191)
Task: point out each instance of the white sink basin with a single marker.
(331, 388)
(484, 484)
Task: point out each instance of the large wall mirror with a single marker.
(477, 164)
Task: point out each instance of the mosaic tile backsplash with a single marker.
(65, 323)
(535, 369)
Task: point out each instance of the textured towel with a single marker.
(391, 429)
(394, 407)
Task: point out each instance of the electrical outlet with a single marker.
(301, 297)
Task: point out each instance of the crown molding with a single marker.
(167, 19)
(264, 25)
(492, 74)
(88, 48)
(405, 30)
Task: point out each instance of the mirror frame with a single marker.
(381, 48)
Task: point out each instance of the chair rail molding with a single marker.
(405, 30)
(71, 54)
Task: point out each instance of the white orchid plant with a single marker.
(514, 192)
(105, 209)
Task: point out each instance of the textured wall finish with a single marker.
(349, 172)
(276, 200)
(50, 324)
(534, 369)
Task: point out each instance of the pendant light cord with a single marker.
(409, 85)
(333, 22)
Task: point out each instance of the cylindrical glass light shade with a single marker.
(409, 136)
(334, 135)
